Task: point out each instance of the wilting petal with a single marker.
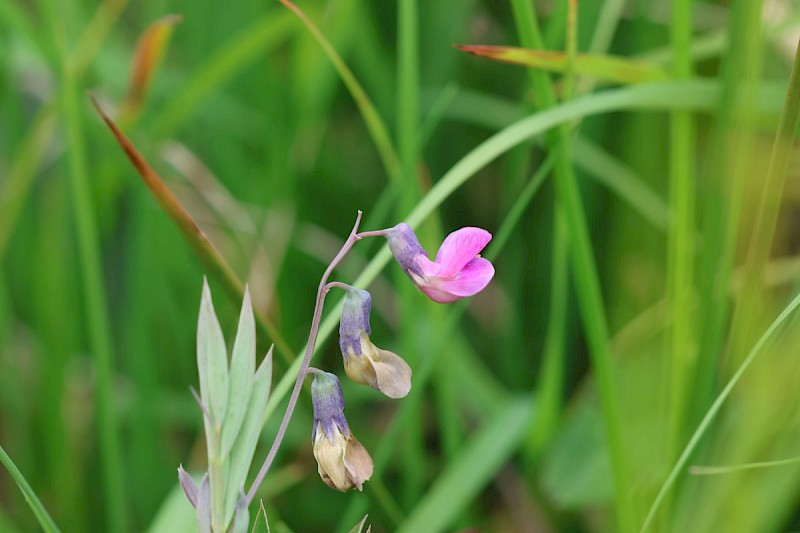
(392, 372)
(380, 369)
(472, 279)
(358, 463)
(459, 248)
(329, 454)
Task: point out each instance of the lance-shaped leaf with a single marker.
(212, 359)
(261, 524)
(243, 365)
(605, 67)
(150, 50)
(245, 444)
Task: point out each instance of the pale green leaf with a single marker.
(243, 364)
(212, 359)
(245, 444)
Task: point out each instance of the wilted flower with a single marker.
(458, 270)
(343, 463)
(363, 361)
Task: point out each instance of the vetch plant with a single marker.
(233, 397)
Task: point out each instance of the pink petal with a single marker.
(459, 248)
(472, 279)
(428, 267)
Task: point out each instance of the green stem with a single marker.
(584, 271)
(96, 310)
(681, 232)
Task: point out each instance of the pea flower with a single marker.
(343, 463)
(364, 362)
(458, 271)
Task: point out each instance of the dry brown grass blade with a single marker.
(208, 253)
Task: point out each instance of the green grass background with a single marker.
(645, 238)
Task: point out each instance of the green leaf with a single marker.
(243, 364)
(212, 359)
(605, 67)
(471, 469)
(245, 444)
(36, 505)
(261, 524)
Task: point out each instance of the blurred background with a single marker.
(643, 243)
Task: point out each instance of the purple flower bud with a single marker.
(458, 271)
(342, 462)
(364, 362)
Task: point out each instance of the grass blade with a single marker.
(36, 505)
(604, 67)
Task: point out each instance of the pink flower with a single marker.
(458, 271)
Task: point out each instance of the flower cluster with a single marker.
(457, 272)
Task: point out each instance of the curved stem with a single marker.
(338, 285)
(376, 233)
(301, 374)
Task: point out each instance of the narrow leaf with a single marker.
(261, 524)
(243, 365)
(244, 446)
(150, 49)
(33, 501)
(605, 67)
(204, 506)
(212, 359)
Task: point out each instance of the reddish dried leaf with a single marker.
(150, 49)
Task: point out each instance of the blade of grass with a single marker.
(698, 470)
(38, 509)
(584, 268)
(603, 67)
(203, 247)
(680, 239)
(714, 410)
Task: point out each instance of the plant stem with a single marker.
(301, 373)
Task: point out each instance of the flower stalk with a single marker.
(322, 291)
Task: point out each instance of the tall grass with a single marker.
(639, 230)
